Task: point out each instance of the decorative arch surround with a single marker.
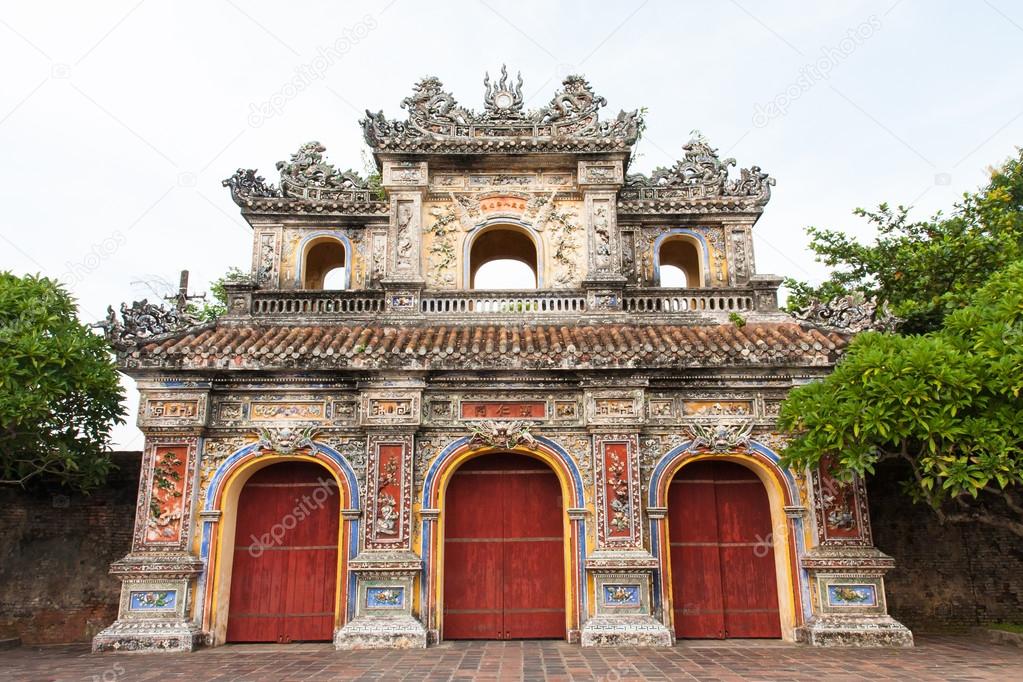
(783, 494)
(703, 252)
(434, 485)
(318, 236)
(225, 486)
(496, 222)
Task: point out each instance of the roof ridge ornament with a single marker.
(849, 314)
(701, 174)
(437, 123)
(502, 100)
(306, 175)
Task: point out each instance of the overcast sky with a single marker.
(118, 120)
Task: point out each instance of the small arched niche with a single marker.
(503, 257)
(324, 264)
(679, 263)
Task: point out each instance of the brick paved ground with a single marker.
(935, 658)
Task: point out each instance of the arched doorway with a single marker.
(503, 257)
(284, 569)
(504, 543)
(723, 571)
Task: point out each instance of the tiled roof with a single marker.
(484, 346)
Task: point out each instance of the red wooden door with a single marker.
(722, 559)
(504, 572)
(284, 577)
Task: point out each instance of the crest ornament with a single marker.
(306, 175)
(285, 440)
(720, 437)
(501, 98)
(140, 322)
(502, 434)
(437, 123)
(851, 314)
(701, 175)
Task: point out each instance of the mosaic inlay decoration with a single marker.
(852, 595)
(621, 595)
(385, 597)
(156, 600)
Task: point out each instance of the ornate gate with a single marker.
(504, 575)
(284, 575)
(722, 559)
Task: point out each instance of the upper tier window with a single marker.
(324, 265)
(503, 257)
(679, 263)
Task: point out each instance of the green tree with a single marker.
(948, 403)
(59, 389)
(208, 311)
(924, 269)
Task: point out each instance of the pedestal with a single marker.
(383, 617)
(154, 607)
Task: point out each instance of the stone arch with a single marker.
(787, 532)
(320, 252)
(434, 485)
(502, 238)
(693, 256)
(218, 518)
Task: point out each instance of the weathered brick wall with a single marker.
(55, 551)
(952, 576)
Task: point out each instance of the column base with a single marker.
(634, 630)
(381, 632)
(855, 631)
(148, 636)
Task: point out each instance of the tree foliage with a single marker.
(924, 269)
(949, 403)
(208, 311)
(59, 390)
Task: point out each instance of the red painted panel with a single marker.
(284, 576)
(504, 409)
(503, 551)
(723, 572)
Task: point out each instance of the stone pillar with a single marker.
(600, 181)
(158, 577)
(406, 183)
(386, 569)
(846, 572)
(621, 566)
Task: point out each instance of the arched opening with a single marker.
(284, 569)
(679, 263)
(324, 264)
(724, 573)
(503, 257)
(504, 550)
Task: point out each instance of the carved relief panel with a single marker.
(406, 209)
(841, 516)
(390, 407)
(617, 486)
(163, 516)
(614, 406)
(604, 244)
(389, 488)
(266, 258)
(172, 410)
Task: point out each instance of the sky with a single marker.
(118, 120)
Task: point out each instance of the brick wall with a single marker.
(946, 577)
(55, 551)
